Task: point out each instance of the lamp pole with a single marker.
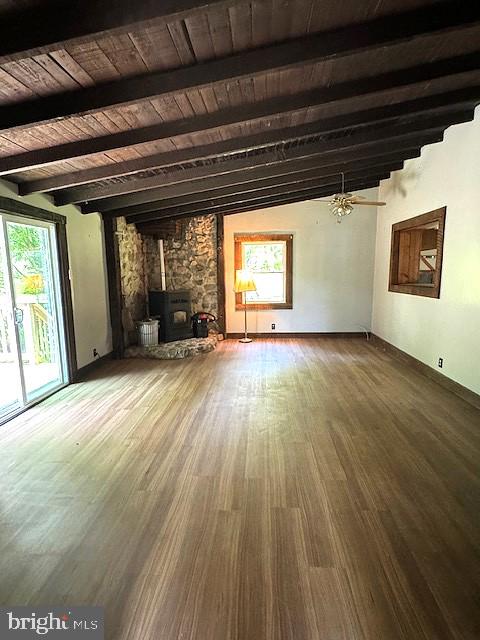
(245, 311)
(244, 283)
(246, 338)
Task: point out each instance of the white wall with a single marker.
(332, 268)
(88, 274)
(446, 174)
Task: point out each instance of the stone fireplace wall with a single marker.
(132, 277)
(191, 262)
(139, 271)
(190, 252)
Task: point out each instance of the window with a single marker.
(416, 255)
(269, 258)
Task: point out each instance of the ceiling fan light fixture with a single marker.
(341, 206)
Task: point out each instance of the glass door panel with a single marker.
(32, 255)
(11, 397)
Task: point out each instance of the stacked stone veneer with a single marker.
(139, 272)
(190, 263)
(174, 350)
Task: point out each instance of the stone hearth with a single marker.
(174, 350)
(190, 253)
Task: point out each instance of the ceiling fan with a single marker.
(341, 204)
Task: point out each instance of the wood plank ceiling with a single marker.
(156, 110)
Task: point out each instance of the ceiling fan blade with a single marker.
(320, 200)
(370, 202)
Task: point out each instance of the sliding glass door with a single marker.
(32, 341)
(10, 386)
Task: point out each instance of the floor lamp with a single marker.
(243, 283)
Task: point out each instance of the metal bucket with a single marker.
(147, 333)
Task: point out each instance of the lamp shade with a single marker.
(244, 281)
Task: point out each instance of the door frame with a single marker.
(8, 206)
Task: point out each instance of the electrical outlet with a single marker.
(440, 363)
(95, 353)
(273, 325)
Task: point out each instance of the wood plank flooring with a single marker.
(286, 489)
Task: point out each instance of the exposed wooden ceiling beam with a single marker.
(450, 100)
(350, 40)
(327, 125)
(370, 155)
(393, 133)
(273, 187)
(219, 205)
(263, 203)
(388, 82)
(46, 27)
(325, 164)
(332, 173)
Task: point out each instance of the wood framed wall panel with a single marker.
(437, 215)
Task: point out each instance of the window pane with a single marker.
(270, 288)
(264, 256)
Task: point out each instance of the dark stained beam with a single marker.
(221, 313)
(46, 27)
(353, 141)
(258, 190)
(330, 184)
(323, 127)
(437, 19)
(311, 175)
(370, 153)
(112, 260)
(450, 100)
(388, 82)
(328, 164)
(262, 203)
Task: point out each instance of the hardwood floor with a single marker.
(311, 489)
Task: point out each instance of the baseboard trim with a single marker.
(89, 368)
(447, 383)
(294, 335)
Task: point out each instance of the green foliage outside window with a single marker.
(26, 250)
(264, 257)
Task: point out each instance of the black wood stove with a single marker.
(173, 309)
